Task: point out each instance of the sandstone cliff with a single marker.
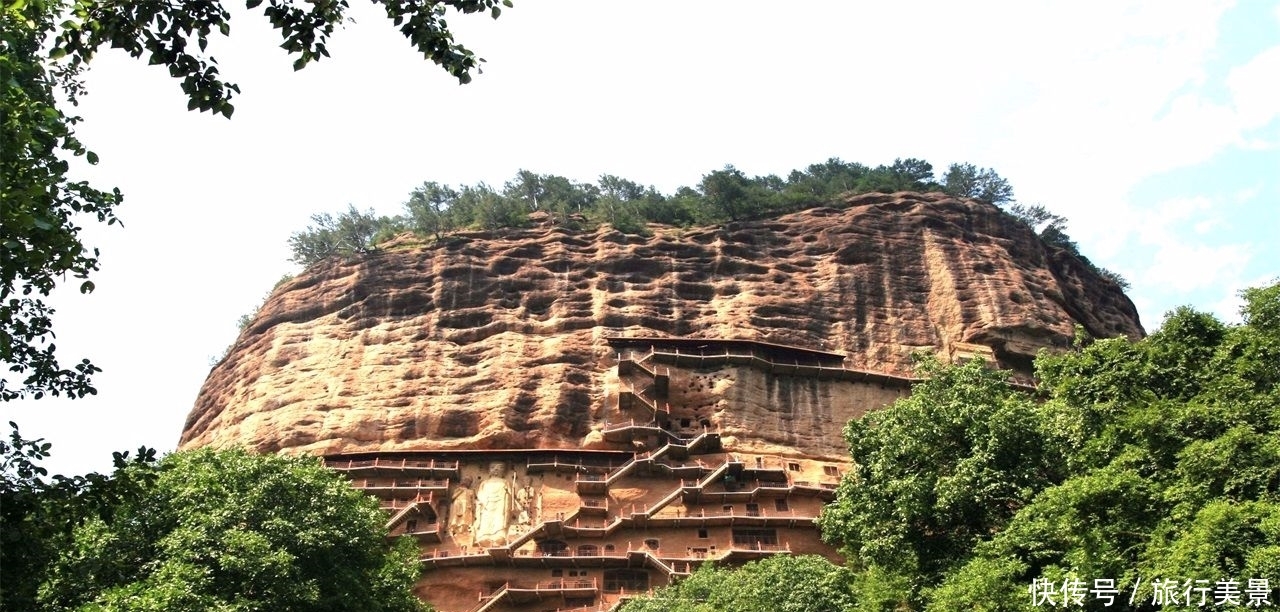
(496, 340)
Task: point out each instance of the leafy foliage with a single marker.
(39, 236)
(777, 584)
(434, 210)
(230, 530)
(38, 513)
(968, 181)
(1052, 229)
(1154, 459)
(427, 210)
(937, 473)
(350, 233)
(176, 35)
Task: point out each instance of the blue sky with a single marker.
(1154, 127)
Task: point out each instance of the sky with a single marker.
(1154, 127)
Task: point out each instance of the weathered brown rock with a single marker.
(495, 340)
(560, 418)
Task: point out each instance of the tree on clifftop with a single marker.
(968, 181)
(44, 47)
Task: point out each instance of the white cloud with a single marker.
(1181, 264)
(1255, 89)
(1182, 268)
(1228, 308)
(1208, 225)
(1115, 99)
(1248, 193)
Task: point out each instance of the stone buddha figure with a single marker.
(494, 507)
(461, 508)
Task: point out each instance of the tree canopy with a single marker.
(203, 530)
(1147, 470)
(968, 181)
(39, 235)
(1158, 459)
(45, 45)
(938, 472)
(39, 512)
(812, 584)
(434, 210)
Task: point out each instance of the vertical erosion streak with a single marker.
(944, 307)
(780, 395)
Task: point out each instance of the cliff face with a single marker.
(496, 340)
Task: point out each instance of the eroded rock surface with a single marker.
(496, 340)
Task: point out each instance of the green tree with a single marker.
(909, 174)
(730, 194)
(176, 34)
(350, 233)
(935, 474)
(39, 237)
(777, 584)
(968, 181)
(912, 173)
(231, 530)
(624, 215)
(1172, 452)
(526, 188)
(626, 205)
(1052, 229)
(726, 191)
(819, 183)
(429, 209)
(1044, 223)
(38, 513)
(565, 197)
(487, 209)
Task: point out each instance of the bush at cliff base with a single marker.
(806, 583)
(229, 530)
(1140, 461)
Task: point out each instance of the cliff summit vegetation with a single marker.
(435, 210)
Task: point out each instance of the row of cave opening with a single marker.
(741, 537)
(780, 504)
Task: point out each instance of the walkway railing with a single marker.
(488, 600)
(390, 463)
(367, 484)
